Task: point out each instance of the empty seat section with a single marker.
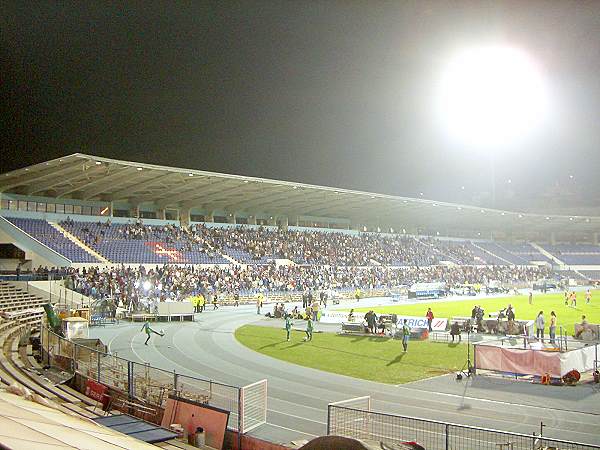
(49, 236)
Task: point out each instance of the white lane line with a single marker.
(297, 417)
(499, 402)
(295, 404)
(133, 350)
(291, 429)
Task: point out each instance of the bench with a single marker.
(440, 336)
(352, 327)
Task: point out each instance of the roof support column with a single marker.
(161, 213)
(134, 211)
(209, 216)
(552, 238)
(184, 217)
(231, 218)
(284, 220)
(595, 237)
(252, 219)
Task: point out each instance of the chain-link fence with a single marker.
(154, 385)
(354, 419)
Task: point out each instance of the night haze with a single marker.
(327, 93)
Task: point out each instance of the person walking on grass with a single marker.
(530, 298)
(429, 317)
(288, 326)
(309, 329)
(588, 297)
(146, 328)
(405, 335)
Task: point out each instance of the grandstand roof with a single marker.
(87, 177)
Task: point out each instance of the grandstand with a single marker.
(83, 209)
(131, 235)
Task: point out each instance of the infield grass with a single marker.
(566, 315)
(367, 357)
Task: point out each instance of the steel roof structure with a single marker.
(86, 177)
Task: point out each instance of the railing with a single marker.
(354, 419)
(142, 381)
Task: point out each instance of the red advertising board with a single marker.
(97, 391)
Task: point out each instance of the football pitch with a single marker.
(381, 359)
(567, 316)
(367, 357)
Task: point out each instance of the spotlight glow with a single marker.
(492, 96)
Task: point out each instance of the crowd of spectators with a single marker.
(301, 247)
(178, 282)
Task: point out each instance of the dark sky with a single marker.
(327, 92)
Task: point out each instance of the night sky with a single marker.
(335, 93)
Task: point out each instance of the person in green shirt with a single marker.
(146, 328)
(288, 326)
(309, 329)
(405, 335)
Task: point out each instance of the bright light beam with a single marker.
(491, 96)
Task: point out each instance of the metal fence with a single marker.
(353, 418)
(246, 404)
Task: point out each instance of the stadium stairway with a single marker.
(230, 259)
(443, 255)
(78, 242)
(492, 254)
(546, 253)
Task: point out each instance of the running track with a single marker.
(298, 396)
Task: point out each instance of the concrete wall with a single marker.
(38, 253)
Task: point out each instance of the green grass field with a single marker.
(367, 357)
(566, 315)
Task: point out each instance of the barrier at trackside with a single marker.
(247, 404)
(354, 418)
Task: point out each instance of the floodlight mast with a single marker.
(491, 98)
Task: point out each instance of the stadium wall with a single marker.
(38, 253)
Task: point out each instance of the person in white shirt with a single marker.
(540, 324)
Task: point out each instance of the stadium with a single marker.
(264, 248)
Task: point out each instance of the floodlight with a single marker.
(491, 96)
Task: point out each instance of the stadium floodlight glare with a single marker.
(492, 95)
